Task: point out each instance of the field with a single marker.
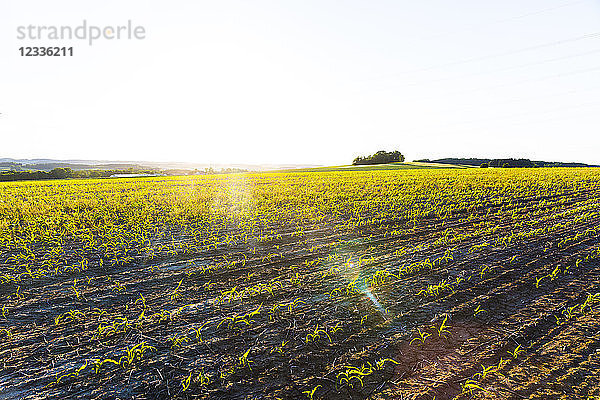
(376, 167)
(401, 284)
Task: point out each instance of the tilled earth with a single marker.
(509, 335)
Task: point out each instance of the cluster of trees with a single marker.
(381, 157)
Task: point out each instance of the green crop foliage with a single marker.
(71, 315)
(279, 349)
(335, 328)
(198, 331)
(74, 374)
(485, 371)
(317, 334)
(443, 330)
(538, 280)
(6, 332)
(176, 294)
(243, 360)
(141, 301)
(311, 393)
(201, 379)
(478, 310)
(515, 353)
(261, 255)
(235, 321)
(470, 385)
(187, 381)
(178, 341)
(422, 336)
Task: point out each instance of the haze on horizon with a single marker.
(311, 82)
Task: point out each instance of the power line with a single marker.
(593, 35)
(493, 71)
(505, 85)
(509, 19)
(526, 81)
(510, 123)
(529, 99)
(509, 117)
(529, 14)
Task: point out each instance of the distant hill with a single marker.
(500, 162)
(45, 164)
(374, 167)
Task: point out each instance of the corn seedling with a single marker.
(316, 334)
(202, 379)
(421, 338)
(134, 353)
(311, 393)
(243, 360)
(141, 301)
(71, 315)
(75, 374)
(569, 312)
(279, 349)
(471, 385)
(485, 371)
(477, 310)
(380, 364)
(515, 353)
(335, 328)
(176, 294)
(198, 331)
(538, 280)
(177, 341)
(185, 383)
(352, 375)
(443, 329)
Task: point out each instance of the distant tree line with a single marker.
(381, 157)
(457, 161)
(61, 173)
(68, 173)
(503, 162)
(511, 163)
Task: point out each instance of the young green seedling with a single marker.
(443, 329)
(470, 385)
(316, 334)
(477, 310)
(421, 338)
(176, 294)
(187, 381)
(311, 393)
(515, 353)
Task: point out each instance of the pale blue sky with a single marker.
(306, 81)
